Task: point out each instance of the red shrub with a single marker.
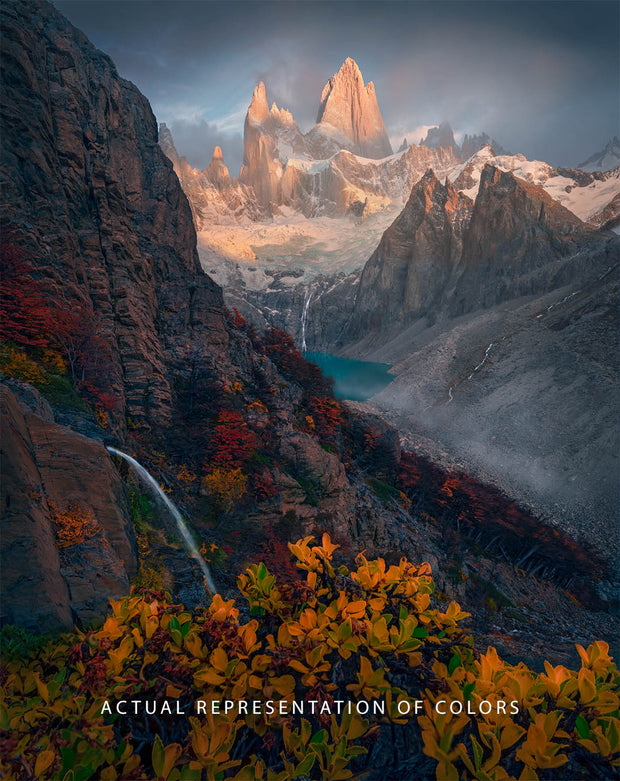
(26, 315)
(233, 441)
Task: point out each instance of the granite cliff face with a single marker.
(213, 197)
(350, 108)
(445, 256)
(593, 197)
(47, 469)
(514, 242)
(285, 167)
(409, 273)
(91, 195)
(503, 345)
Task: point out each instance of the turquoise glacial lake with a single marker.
(353, 380)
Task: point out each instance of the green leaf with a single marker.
(345, 630)
(582, 727)
(305, 766)
(174, 623)
(478, 752)
(319, 737)
(84, 772)
(261, 573)
(467, 691)
(419, 631)
(455, 662)
(68, 757)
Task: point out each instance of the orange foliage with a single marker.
(73, 525)
(185, 475)
(225, 486)
(14, 363)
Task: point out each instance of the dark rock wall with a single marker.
(444, 257)
(87, 189)
(46, 466)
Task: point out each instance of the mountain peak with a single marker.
(351, 108)
(167, 144)
(258, 110)
(440, 137)
(605, 160)
(217, 172)
(350, 66)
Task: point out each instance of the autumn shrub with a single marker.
(281, 348)
(225, 487)
(73, 525)
(26, 314)
(59, 335)
(330, 637)
(233, 442)
(16, 365)
(213, 554)
(186, 476)
(151, 576)
(18, 643)
(471, 510)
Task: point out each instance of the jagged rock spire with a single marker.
(351, 108)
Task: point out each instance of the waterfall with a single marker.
(304, 318)
(187, 537)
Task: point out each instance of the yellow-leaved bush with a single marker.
(335, 636)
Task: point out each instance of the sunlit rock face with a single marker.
(349, 107)
(283, 166)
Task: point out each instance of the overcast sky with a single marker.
(540, 77)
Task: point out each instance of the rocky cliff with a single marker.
(57, 482)
(593, 197)
(444, 256)
(503, 345)
(90, 194)
(410, 272)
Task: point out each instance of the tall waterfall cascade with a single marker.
(172, 509)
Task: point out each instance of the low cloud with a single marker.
(196, 138)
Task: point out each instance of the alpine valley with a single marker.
(488, 281)
(193, 512)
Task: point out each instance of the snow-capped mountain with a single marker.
(214, 199)
(311, 204)
(606, 159)
(593, 197)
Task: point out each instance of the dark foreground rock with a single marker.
(47, 470)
